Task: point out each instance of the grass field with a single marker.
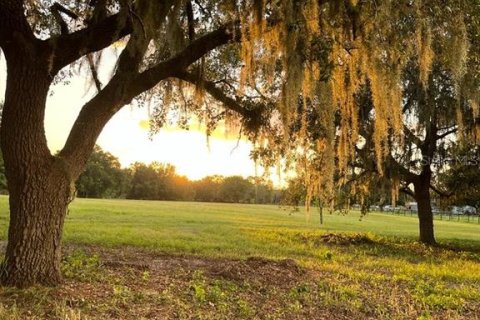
(157, 260)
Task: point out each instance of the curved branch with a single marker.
(126, 85)
(446, 133)
(440, 192)
(68, 48)
(193, 52)
(407, 191)
(89, 124)
(412, 137)
(214, 91)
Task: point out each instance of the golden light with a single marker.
(144, 124)
(127, 137)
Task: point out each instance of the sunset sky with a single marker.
(126, 136)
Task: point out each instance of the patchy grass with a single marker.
(132, 283)
(168, 260)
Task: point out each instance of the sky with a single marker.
(127, 136)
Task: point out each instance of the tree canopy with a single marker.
(314, 53)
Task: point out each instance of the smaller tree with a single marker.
(208, 188)
(294, 194)
(103, 177)
(236, 189)
(263, 190)
(145, 184)
(180, 188)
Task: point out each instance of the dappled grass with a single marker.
(354, 268)
(226, 229)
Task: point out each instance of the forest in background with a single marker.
(105, 178)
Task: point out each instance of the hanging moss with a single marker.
(377, 49)
(305, 55)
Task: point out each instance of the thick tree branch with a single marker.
(56, 10)
(126, 85)
(16, 36)
(446, 133)
(412, 137)
(441, 193)
(214, 91)
(98, 111)
(407, 191)
(71, 47)
(92, 118)
(193, 52)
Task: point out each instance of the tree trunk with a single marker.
(38, 183)
(37, 214)
(425, 215)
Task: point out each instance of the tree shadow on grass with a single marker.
(387, 247)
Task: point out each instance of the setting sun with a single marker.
(127, 137)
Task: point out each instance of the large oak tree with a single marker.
(41, 184)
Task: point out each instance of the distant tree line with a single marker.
(104, 178)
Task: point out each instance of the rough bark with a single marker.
(422, 185)
(39, 184)
(37, 213)
(425, 215)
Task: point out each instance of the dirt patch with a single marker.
(341, 239)
(253, 269)
(259, 270)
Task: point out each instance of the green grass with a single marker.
(235, 230)
(360, 268)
